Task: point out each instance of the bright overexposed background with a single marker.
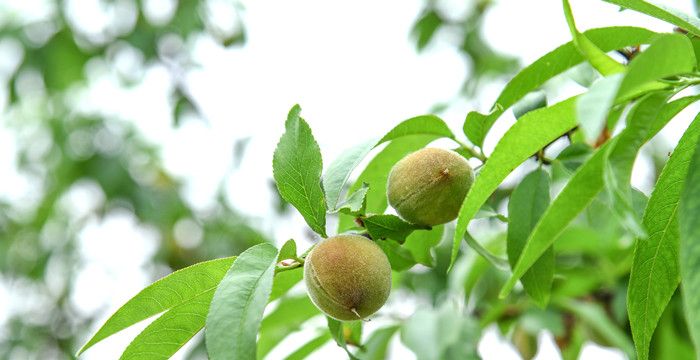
(355, 72)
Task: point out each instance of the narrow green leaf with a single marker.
(385, 226)
(477, 125)
(619, 160)
(164, 294)
(420, 243)
(296, 167)
(662, 12)
(581, 189)
(307, 349)
(375, 348)
(238, 304)
(162, 338)
(339, 171)
(528, 135)
(532, 101)
(593, 106)
(668, 55)
(527, 203)
(596, 57)
(655, 270)
(377, 172)
(425, 28)
(689, 222)
(287, 318)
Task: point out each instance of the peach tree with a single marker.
(572, 248)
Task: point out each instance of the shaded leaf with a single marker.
(420, 243)
(593, 106)
(527, 203)
(388, 227)
(376, 346)
(307, 349)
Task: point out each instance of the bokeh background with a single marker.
(136, 136)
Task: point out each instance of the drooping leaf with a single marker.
(296, 167)
(164, 294)
(238, 304)
(162, 338)
(387, 226)
(659, 11)
(477, 125)
(527, 203)
(689, 222)
(581, 189)
(425, 28)
(595, 56)
(287, 318)
(655, 271)
(528, 135)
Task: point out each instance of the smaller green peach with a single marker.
(427, 187)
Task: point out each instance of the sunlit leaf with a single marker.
(689, 222)
(663, 12)
(527, 203)
(477, 125)
(164, 294)
(655, 272)
(296, 166)
(528, 135)
(237, 307)
(579, 191)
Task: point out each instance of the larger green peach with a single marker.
(348, 277)
(427, 187)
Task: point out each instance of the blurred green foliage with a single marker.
(61, 149)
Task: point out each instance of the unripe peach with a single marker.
(348, 277)
(428, 186)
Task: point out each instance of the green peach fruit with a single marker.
(427, 187)
(348, 277)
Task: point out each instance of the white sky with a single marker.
(355, 72)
